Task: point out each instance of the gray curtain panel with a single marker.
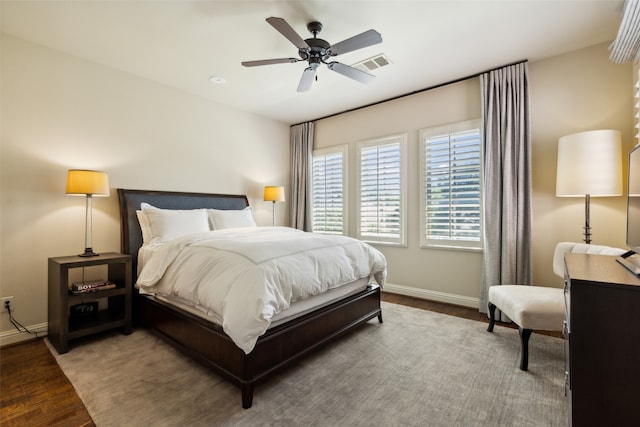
(507, 179)
(301, 160)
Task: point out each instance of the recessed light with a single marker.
(217, 80)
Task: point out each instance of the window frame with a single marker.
(455, 244)
(401, 240)
(342, 149)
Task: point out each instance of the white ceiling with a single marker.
(182, 43)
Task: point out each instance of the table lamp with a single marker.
(274, 193)
(87, 183)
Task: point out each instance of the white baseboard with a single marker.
(14, 336)
(432, 295)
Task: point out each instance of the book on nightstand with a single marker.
(91, 286)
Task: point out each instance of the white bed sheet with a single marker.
(244, 278)
(297, 309)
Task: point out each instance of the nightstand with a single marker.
(106, 309)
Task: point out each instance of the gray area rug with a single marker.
(418, 368)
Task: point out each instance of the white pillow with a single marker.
(169, 224)
(147, 234)
(231, 218)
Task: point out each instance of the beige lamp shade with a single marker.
(274, 193)
(85, 182)
(589, 163)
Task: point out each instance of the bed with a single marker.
(204, 339)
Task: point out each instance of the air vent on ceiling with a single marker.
(373, 63)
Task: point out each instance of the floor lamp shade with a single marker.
(274, 193)
(589, 164)
(89, 184)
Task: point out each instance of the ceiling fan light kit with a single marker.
(318, 51)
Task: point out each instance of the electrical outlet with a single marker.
(3, 308)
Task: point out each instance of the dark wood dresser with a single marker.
(602, 335)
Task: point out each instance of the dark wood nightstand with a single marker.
(113, 310)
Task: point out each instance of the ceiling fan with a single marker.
(316, 51)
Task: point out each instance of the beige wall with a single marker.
(579, 91)
(427, 273)
(61, 112)
(576, 92)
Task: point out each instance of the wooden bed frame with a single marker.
(205, 340)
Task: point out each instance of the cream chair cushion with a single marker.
(530, 307)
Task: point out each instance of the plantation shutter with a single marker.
(452, 186)
(327, 195)
(380, 191)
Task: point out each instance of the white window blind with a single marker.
(328, 191)
(381, 196)
(452, 185)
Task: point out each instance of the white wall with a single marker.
(574, 92)
(61, 112)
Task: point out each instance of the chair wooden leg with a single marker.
(524, 340)
(492, 317)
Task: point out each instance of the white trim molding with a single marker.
(432, 295)
(14, 336)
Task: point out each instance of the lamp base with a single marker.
(88, 252)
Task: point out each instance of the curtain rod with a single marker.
(416, 91)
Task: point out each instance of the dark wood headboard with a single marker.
(130, 232)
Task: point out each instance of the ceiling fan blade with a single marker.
(352, 73)
(285, 29)
(368, 38)
(307, 79)
(268, 62)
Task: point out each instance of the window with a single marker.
(451, 174)
(328, 191)
(381, 183)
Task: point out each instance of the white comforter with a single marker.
(245, 276)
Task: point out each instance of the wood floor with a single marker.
(35, 392)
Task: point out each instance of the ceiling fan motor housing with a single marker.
(317, 49)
